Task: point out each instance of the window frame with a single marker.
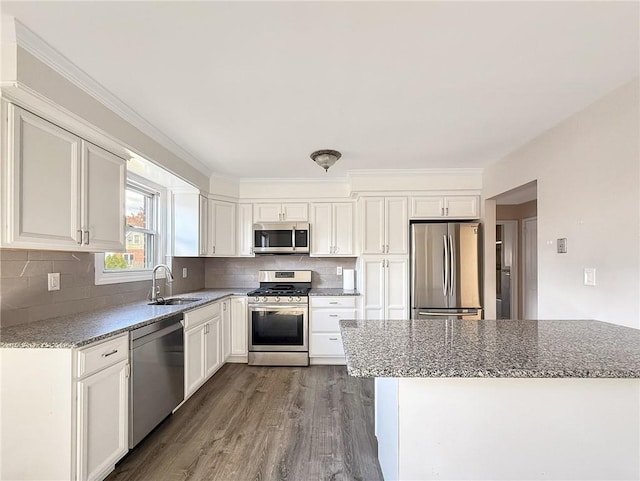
(160, 212)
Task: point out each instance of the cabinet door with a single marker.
(397, 225)
(321, 229)
(429, 207)
(226, 329)
(102, 422)
(463, 206)
(373, 225)
(373, 290)
(43, 168)
(239, 320)
(245, 230)
(104, 178)
(223, 228)
(213, 349)
(204, 226)
(343, 228)
(266, 213)
(396, 289)
(298, 212)
(194, 359)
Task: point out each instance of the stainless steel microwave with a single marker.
(281, 238)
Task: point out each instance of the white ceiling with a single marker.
(252, 88)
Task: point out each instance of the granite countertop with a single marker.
(510, 348)
(84, 328)
(329, 291)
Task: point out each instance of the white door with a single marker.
(397, 225)
(373, 225)
(321, 229)
(103, 425)
(226, 329)
(396, 291)
(222, 231)
(343, 228)
(530, 268)
(239, 339)
(104, 179)
(267, 213)
(373, 290)
(245, 230)
(44, 163)
(213, 346)
(194, 359)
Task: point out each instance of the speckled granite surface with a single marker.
(87, 327)
(521, 349)
(328, 291)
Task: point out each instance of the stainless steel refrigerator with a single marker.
(445, 271)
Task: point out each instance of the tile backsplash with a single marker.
(23, 285)
(223, 272)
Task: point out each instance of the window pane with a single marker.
(137, 206)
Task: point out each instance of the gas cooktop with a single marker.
(280, 291)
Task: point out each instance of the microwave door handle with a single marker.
(293, 238)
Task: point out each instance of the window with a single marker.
(144, 211)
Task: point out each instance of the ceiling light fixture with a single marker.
(325, 158)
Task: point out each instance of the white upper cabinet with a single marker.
(277, 212)
(437, 207)
(61, 192)
(245, 230)
(222, 228)
(331, 229)
(384, 225)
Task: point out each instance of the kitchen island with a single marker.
(501, 400)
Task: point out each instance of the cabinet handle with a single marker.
(333, 315)
(383, 248)
(86, 237)
(213, 249)
(333, 302)
(107, 354)
(387, 248)
(446, 211)
(79, 232)
(333, 338)
(442, 211)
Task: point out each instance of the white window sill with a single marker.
(118, 277)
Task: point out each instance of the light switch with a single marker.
(53, 281)
(339, 270)
(589, 276)
(562, 245)
(184, 272)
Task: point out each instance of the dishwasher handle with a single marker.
(158, 331)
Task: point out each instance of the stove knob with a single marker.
(277, 299)
(298, 299)
(263, 299)
(290, 298)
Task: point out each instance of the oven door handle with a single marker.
(271, 307)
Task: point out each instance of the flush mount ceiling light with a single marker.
(325, 158)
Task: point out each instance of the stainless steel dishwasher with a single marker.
(157, 375)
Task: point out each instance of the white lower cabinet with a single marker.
(202, 346)
(239, 330)
(64, 411)
(225, 329)
(325, 340)
(384, 281)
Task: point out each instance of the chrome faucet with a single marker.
(155, 288)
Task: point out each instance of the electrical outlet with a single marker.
(184, 272)
(53, 281)
(339, 270)
(562, 245)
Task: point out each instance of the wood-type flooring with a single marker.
(252, 423)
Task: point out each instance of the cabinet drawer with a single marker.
(326, 344)
(333, 301)
(328, 320)
(101, 355)
(202, 314)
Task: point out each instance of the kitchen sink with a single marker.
(174, 301)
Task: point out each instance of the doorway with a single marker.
(506, 269)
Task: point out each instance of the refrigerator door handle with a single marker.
(445, 266)
(472, 312)
(452, 270)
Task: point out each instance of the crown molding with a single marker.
(412, 172)
(300, 180)
(36, 46)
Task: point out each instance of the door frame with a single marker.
(525, 248)
(512, 227)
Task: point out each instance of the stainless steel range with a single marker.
(279, 319)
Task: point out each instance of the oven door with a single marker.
(278, 328)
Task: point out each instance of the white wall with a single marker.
(588, 174)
